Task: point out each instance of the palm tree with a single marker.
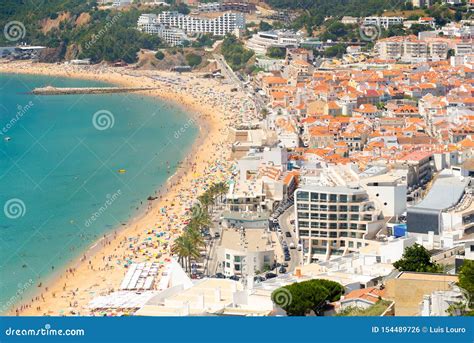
(206, 200)
(222, 188)
(179, 248)
(200, 220)
(194, 235)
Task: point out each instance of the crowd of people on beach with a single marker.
(211, 103)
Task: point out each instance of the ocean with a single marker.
(73, 168)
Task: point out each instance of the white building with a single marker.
(384, 22)
(334, 220)
(173, 36)
(437, 303)
(243, 252)
(220, 26)
(389, 192)
(119, 3)
(261, 41)
(411, 50)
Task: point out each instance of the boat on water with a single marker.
(7, 139)
(122, 171)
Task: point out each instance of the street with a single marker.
(285, 225)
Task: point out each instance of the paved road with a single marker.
(285, 225)
(227, 71)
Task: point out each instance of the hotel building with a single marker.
(334, 220)
(173, 36)
(220, 26)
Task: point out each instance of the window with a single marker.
(303, 215)
(237, 266)
(314, 197)
(304, 233)
(227, 264)
(227, 256)
(472, 248)
(303, 224)
(323, 197)
(333, 197)
(236, 258)
(302, 207)
(303, 196)
(333, 208)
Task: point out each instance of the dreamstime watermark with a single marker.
(102, 32)
(22, 287)
(14, 208)
(282, 297)
(21, 111)
(14, 31)
(197, 210)
(178, 133)
(45, 331)
(103, 120)
(97, 214)
(370, 32)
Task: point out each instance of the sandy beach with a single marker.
(211, 106)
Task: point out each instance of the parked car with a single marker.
(217, 235)
(282, 270)
(292, 245)
(270, 275)
(219, 276)
(234, 277)
(259, 278)
(288, 234)
(287, 258)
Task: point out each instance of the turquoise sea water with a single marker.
(60, 185)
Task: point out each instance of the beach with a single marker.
(211, 106)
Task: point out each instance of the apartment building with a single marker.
(220, 26)
(409, 49)
(334, 220)
(384, 22)
(173, 36)
(263, 40)
(238, 6)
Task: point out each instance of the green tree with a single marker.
(264, 26)
(300, 298)
(159, 55)
(275, 52)
(335, 51)
(417, 259)
(186, 249)
(193, 60)
(234, 52)
(466, 279)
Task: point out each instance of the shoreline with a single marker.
(211, 122)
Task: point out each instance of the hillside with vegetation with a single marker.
(79, 28)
